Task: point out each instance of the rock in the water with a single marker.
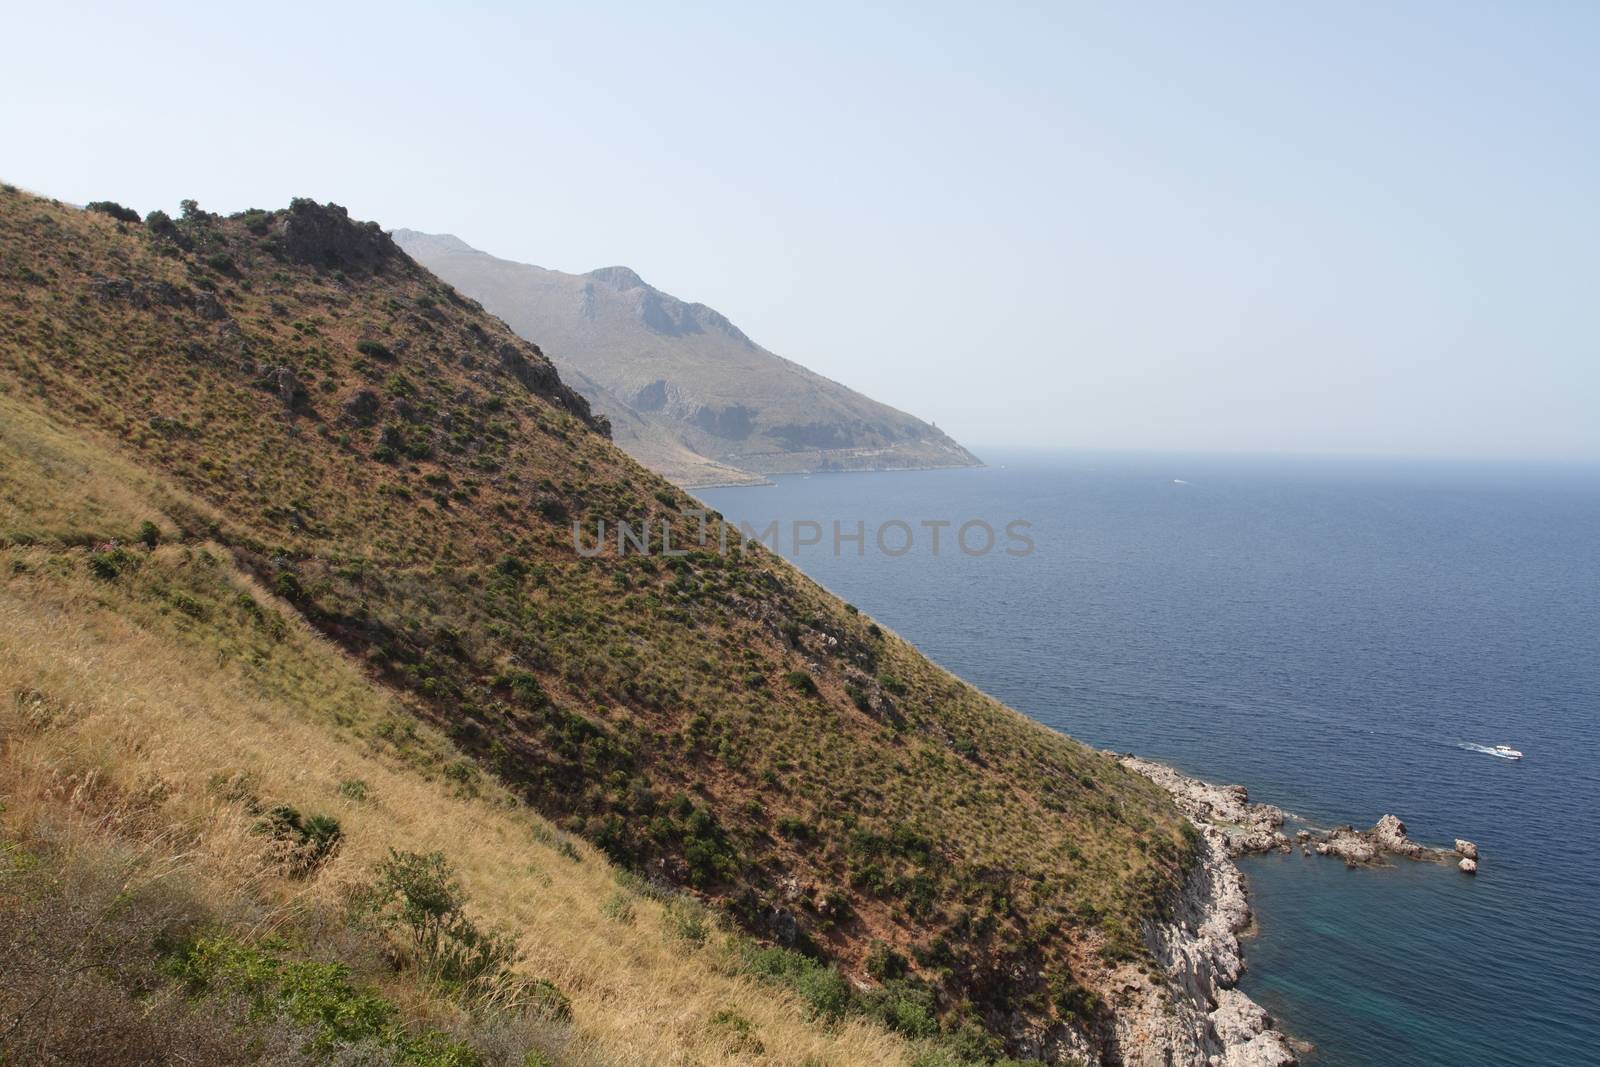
(1355, 847)
(1389, 834)
(1387, 837)
(1467, 849)
(1468, 866)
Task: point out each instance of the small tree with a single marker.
(418, 898)
(114, 209)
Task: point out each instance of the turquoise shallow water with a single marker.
(1328, 633)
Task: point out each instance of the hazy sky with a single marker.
(1337, 227)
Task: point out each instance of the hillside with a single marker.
(150, 717)
(674, 376)
(360, 566)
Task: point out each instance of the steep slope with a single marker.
(404, 473)
(156, 702)
(687, 375)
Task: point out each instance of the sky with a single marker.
(1330, 228)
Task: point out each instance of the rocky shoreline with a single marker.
(1215, 1024)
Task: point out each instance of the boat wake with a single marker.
(1499, 751)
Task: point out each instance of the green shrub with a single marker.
(795, 829)
(317, 996)
(287, 585)
(1073, 1002)
(107, 563)
(738, 1034)
(801, 682)
(375, 350)
(187, 604)
(114, 209)
(160, 223)
(687, 921)
(149, 534)
(825, 992)
(905, 1006)
(418, 898)
(302, 843)
(548, 1002)
(884, 963)
(255, 220)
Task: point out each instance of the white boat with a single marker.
(1506, 752)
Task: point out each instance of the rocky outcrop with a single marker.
(1356, 847)
(1245, 827)
(1370, 848)
(538, 375)
(361, 407)
(324, 235)
(1200, 1018)
(144, 295)
(1204, 1020)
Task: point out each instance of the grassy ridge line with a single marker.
(136, 710)
(395, 464)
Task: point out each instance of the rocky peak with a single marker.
(324, 235)
(619, 278)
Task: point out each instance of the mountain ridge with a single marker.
(685, 376)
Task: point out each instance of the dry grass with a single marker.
(131, 729)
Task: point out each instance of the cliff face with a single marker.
(676, 377)
(403, 473)
(1213, 1023)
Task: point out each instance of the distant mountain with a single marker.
(687, 393)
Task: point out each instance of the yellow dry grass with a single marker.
(119, 716)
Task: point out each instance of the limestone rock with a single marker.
(1466, 849)
(1390, 835)
(1386, 838)
(1200, 1018)
(1245, 827)
(1468, 866)
(1355, 847)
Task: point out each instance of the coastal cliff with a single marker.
(1215, 1024)
(1210, 1023)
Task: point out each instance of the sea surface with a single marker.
(1330, 633)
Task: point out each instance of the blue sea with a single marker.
(1330, 633)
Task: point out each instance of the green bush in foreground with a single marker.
(905, 1005)
(319, 996)
(418, 898)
